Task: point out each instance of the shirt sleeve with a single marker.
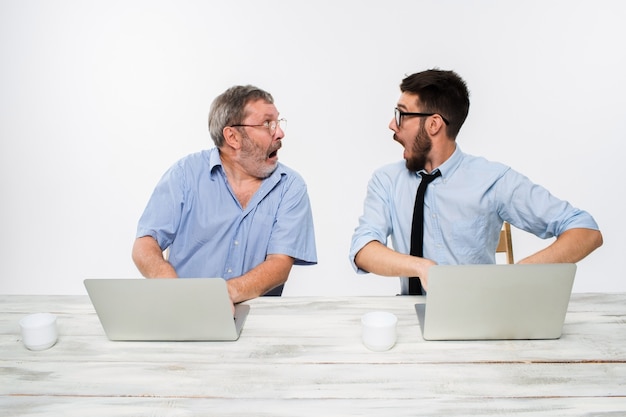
(531, 207)
(162, 215)
(293, 233)
(376, 223)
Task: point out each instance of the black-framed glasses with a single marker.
(271, 126)
(399, 114)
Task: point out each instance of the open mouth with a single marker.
(274, 153)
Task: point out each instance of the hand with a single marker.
(423, 267)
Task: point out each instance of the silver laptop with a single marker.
(189, 309)
(483, 302)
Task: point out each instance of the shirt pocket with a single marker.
(469, 238)
(259, 233)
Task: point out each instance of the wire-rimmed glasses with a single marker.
(269, 125)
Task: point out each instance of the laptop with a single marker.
(496, 302)
(189, 309)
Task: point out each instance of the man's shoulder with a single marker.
(204, 159)
(480, 163)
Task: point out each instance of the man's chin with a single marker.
(269, 169)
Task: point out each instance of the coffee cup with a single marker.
(39, 331)
(379, 330)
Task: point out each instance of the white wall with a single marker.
(98, 98)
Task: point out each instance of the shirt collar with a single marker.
(451, 165)
(215, 161)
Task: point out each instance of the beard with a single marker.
(420, 149)
(254, 158)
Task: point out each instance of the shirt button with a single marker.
(236, 242)
(229, 270)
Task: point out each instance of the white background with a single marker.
(99, 98)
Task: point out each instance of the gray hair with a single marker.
(228, 109)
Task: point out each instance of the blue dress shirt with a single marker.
(194, 212)
(463, 210)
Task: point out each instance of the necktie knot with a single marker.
(428, 178)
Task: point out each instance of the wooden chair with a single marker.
(505, 245)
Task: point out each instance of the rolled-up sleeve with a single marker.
(534, 209)
(375, 223)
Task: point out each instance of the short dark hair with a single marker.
(442, 92)
(228, 109)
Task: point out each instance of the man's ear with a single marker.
(435, 125)
(232, 137)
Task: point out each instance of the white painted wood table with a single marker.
(302, 356)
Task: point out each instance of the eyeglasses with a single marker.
(271, 126)
(399, 114)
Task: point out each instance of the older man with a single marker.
(232, 211)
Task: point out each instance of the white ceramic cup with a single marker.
(379, 330)
(39, 331)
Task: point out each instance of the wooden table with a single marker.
(302, 356)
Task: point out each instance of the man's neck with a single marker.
(440, 154)
(243, 184)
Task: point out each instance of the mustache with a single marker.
(276, 147)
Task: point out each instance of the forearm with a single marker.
(271, 273)
(571, 246)
(381, 260)
(148, 258)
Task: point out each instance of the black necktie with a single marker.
(417, 230)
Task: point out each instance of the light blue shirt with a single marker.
(463, 210)
(194, 212)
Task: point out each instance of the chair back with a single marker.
(505, 245)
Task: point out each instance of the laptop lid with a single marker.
(189, 309)
(482, 302)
